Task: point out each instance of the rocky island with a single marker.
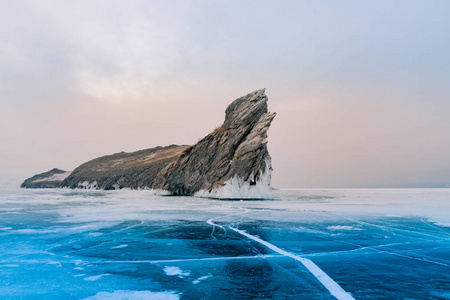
(50, 179)
(231, 161)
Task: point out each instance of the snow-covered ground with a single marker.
(54, 177)
(302, 244)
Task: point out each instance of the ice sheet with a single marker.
(61, 243)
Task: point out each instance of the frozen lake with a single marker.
(304, 244)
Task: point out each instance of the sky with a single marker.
(361, 88)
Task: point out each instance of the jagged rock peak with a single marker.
(246, 109)
(233, 156)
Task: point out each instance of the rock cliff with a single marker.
(233, 157)
(50, 179)
(231, 162)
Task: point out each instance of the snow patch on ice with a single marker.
(175, 271)
(55, 263)
(201, 278)
(94, 278)
(339, 227)
(441, 295)
(136, 295)
(120, 246)
(67, 230)
(78, 262)
(442, 224)
(237, 188)
(157, 192)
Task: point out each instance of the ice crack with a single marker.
(332, 286)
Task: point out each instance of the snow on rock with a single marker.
(87, 185)
(55, 177)
(237, 188)
(50, 179)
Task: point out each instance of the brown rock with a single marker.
(237, 149)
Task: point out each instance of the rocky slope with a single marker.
(123, 170)
(50, 179)
(232, 161)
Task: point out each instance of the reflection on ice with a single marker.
(70, 244)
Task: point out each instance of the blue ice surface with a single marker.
(77, 244)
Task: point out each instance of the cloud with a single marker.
(361, 89)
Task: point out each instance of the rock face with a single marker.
(231, 162)
(50, 179)
(123, 170)
(235, 152)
